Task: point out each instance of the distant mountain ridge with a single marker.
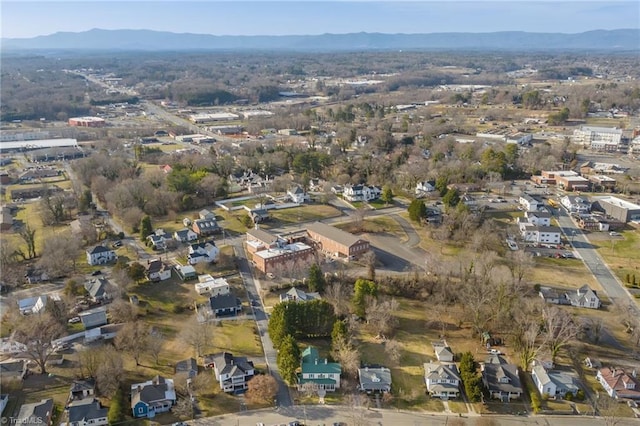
(148, 40)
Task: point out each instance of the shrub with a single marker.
(568, 396)
(580, 395)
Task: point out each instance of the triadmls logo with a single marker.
(34, 420)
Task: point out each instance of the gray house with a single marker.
(374, 379)
(501, 380)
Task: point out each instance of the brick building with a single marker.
(336, 242)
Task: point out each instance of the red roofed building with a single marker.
(618, 383)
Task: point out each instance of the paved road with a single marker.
(608, 281)
(270, 354)
(327, 415)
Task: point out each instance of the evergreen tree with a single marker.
(339, 332)
(115, 414)
(451, 198)
(316, 279)
(387, 195)
(145, 228)
(362, 289)
(417, 210)
(288, 359)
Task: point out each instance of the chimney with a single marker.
(326, 361)
(633, 373)
(316, 361)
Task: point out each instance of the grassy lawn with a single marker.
(620, 253)
(164, 296)
(306, 213)
(376, 225)
(574, 273)
(237, 337)
(458, 407)
(231, 221)
(496, 407)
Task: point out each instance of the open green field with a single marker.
(305, 213)
(571, 273)
(620, 253)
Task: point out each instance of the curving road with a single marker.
(614, 289)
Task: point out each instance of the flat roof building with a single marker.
(87, 122)
(619, 209)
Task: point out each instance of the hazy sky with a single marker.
(26, 18)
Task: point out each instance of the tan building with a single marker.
(336, 242)
(87, 122)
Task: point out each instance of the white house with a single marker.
(442, 351)
(530, 203)
(553, 383)
(203, 252)
(212, 286)
(297, 194)
(575, 204)
(157, 270)
(32, 305)
(99, 255)
(538, 218)
(540, 234)
(584, 297)
(159, 239)
(318, 372)
(424, 188)
(442, 380)
(361, 192)
(185, 235)
(232, 372)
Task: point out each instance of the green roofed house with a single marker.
(318, 371)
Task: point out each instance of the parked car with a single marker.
(614, 234)
(117, 244)
(96, 273)
(74, 320)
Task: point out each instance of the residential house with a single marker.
(553, 383)
(297, 295)
(443, 351)
(442, 380)
(186, 272)
(584, 297)
(32, 305)
(157, 270)
(99, 255)
(154, 396)
(576, 204)
(361, 192)
(336, 242)
(232, 372)
(297, 194)
(87, 412)
(259, 215)
(92, 319)
(316, 184)
(13, 370)
(374, 379)
(337, 189)
(159, 239)
(185, 235)
(424, 188)
(205, 227)
(538, 218)
(529, 203)
(82, 389)
(501, 379)
(618, 383)
(318, 372)
(105, 332)
(206, 214)
(540, 234)
(36, 413)
(211, 286)
(187, 367)
(552, 295)
(224, 305)
(99, 290)
(203, 252)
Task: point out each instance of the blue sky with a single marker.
(27, 18)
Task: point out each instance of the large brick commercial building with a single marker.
(273, 254)
(336, 242)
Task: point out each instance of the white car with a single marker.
(74, 320)
(614, 234)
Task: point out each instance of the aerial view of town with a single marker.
(351, 228)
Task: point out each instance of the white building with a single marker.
(203, 252)
(100, 255)
(424, 188)
(212, 286)
(598, 138)
(538, 218)
(540, 234)
(575, 204)
(553, 383)
(361, 192)
(530, 203)
(442, 380)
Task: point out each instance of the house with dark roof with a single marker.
(584, 297)
(99, 289)
(203, 252)
(152, 397)
(185, 235)
(336, 242)
(318, 372)
(442, 351)
(442, 380)
(157, 270)
(224, 305)
(87, 412)
(206, 214)
(554, 383)
(99, 255)
(361, 192)
(297, 194)
(37, 413)
(297, 295)
(188, 367)
(92, 319)
(232, 372)
(374, 379)
(618, 383)
(13, 370)
(205, 227)
(82, 389)
(501, 379)
(159, 239)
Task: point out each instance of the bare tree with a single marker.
(197, 335)
(132, 339)
(392, 349)
(59, 254)
(369, 259)
(122, 311)
(110, 373)
(155, 343)
(336, 294)
(381, 315)
(28, 235)
(527, 333)
(36, 332)
(609, 409)
(89, 361)
(262, 388)
(559, 329)
(520, 263)
(348, 356)
(183, 409)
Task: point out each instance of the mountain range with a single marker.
(148, 40)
